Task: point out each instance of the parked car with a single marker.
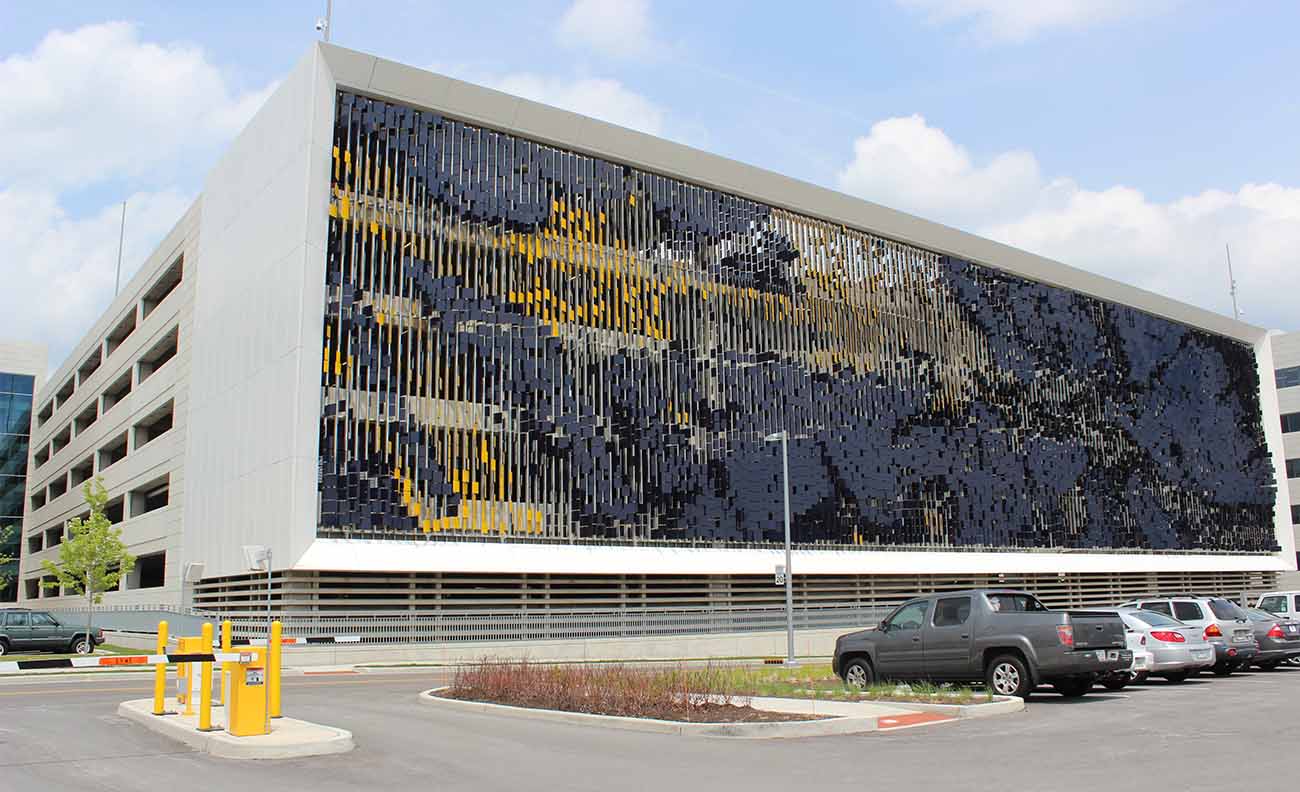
(1278, 637)
(1221, 622)
(1142, 660)
(1178, 650)
(28, 630)
(1004, 638)
(1283, 603)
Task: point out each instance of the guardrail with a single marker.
(552, 625)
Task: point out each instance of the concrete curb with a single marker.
(1001, 705)
(290, 738)
(768, 730)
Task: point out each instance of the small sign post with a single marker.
(780, 574)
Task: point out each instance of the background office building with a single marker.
(22, 367)
(439, 347)
(1286, 358)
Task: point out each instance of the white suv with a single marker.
(1223, 624)
(1283, 603)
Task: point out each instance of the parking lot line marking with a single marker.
(79, 690)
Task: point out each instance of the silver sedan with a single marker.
(1178, 650)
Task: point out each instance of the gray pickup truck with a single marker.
(1006, 639)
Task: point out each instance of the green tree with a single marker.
(93, 558)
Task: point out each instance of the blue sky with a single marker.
(1131, 139)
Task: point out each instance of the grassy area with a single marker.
(695, 695)
(102, 649)
(711, 693)
(819, 682)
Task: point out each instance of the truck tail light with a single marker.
(1065, 634)
(1275, 631)
(1168, 636)
(1213, 631)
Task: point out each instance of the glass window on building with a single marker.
(1295, 514)
(1291, 422)
(1293, 468)
(15, 427)
(1288, 377)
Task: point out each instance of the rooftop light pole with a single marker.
(784, 437)
(323, 23)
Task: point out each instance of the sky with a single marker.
(1135, 140)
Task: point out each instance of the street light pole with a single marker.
(254, 557)
(266, 666)
(784, 436)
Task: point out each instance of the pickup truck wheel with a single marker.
(4, 647)
(1072, 688)
(1007, 676)
(859, 674)
(82, 646)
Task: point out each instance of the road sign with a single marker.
(780, 574)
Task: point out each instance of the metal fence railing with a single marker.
(552, 625)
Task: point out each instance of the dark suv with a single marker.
(28, 630)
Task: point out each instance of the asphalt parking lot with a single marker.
(63, 733)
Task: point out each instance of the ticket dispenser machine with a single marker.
(247, 711)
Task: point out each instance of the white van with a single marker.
(1283, 603)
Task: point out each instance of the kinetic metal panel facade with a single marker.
(529, 342)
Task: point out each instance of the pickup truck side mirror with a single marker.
(883, 626)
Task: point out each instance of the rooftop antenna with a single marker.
(323, 24)
(121, 234)
(1232, 285)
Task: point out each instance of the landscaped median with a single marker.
(711, 701)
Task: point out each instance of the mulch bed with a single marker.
(695, 713)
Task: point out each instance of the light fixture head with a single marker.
(257, 558)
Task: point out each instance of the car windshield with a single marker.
(1226, 610)
(1010, 603)
(1261, 616)
(1153, 619)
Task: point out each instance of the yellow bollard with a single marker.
(225, 667)
(273, 669)
(205, 683)
(160, 673)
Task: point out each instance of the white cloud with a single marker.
(613, 28)
(59, 270)
(603, 98)
(917, 165)
(599, 97)
(90, 112)
(1174, 248)
(98, 102)
(1018, 20)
